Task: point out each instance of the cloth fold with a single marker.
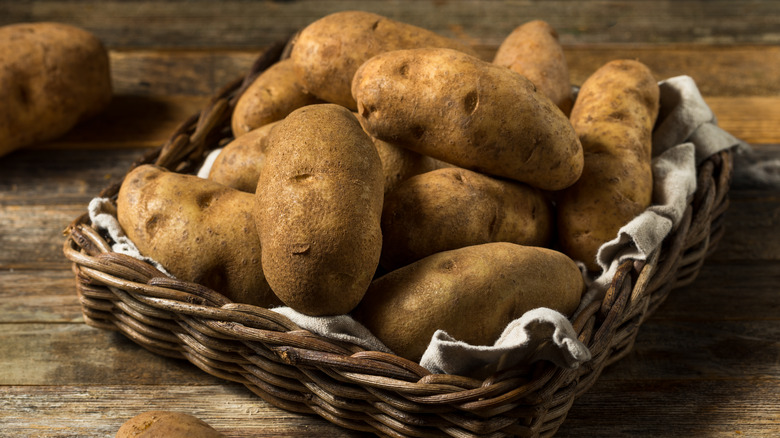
(686, 133)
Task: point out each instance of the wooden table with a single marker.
(707, 364)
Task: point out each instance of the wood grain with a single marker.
(77, 411)
(236, 23)
(707, 364)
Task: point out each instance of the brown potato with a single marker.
(328, 52)
(614, 116)
(167, 424)
(52, 76)
(200, 231)
(318, 210)
(472, 293)
(468, 112)
(533, 50)
(400, 164)
(451, 208)
(238, 164)
(273, 95)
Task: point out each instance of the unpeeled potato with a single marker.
(472, 293)
(199, 230)
(166, 424)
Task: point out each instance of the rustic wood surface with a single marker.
(707, 364)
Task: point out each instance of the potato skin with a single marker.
(328, 52)
(238, 164)
(52, 76)
(614, 116)
(400, 164)
(472, 293)
(318, 210)
(468, 112)
(169, 424)
(273, 95)
(452, 208)
(200, 231)
(533, 50)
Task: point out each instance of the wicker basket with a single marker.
(366, 390)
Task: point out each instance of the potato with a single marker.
(168, 424)
(327, 52)
(468, 112)
(52, 76)
(238, 164)
(472, 293)
(199, 230)
(533, 50)
(273, 95)
(400, 164)
(452, 208)
(318, 210)
(614, 116)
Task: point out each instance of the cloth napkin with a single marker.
(686, 133)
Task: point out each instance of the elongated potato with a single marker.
(318, 210)
(451, 208)
(52, 76)
(472, 293)
(200, 231)
(468, 112)
(533, 50)
(328, 52)
(273, 95)
(238, 164)
(400, 164)
(614, 116)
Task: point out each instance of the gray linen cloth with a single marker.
(685, 134)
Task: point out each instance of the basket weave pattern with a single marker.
(363, 390)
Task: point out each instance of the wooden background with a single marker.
(707, 364)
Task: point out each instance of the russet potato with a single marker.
(614, 116)
(474, 114)
(52, 76)
(472, 293)
(318, 209)
(199, 230)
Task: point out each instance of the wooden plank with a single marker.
(34, 177)
(752, 228)
(668, 349)
(691, 408)
(755, 120)
(38, 296)
(728, 290)
(76, 354)
(718, 71)
(201, 23)
(31, 235)
(50, 411)
(698, 408)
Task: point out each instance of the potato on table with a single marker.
(273, 95)
(52, 76)
(614, 116)
(468, 112)
(166, 424)
(239, 162)
(472, 293)
(451, 208)
(328, 52)
(318, 210)
(199, 230)
(533, 50)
